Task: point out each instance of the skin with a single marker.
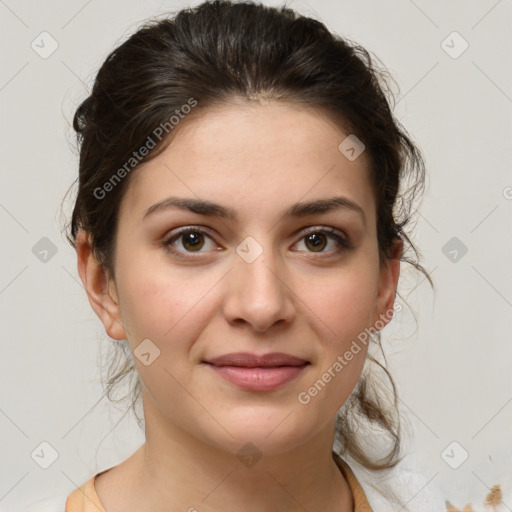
(256, 158)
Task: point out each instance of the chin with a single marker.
(263, 434)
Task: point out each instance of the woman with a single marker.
(239, 227)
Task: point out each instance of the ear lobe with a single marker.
(388, 282)
(100, 287)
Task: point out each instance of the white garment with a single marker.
(409, 486)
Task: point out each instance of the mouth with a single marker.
(253, 372)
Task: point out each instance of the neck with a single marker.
(175, 471)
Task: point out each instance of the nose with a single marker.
(257, 294)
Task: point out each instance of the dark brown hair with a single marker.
(219, 52)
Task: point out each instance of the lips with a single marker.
(248, 360)
(252, 372)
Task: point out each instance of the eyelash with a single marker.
(342, 242)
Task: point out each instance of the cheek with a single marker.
(342, 305)
(171, 310)
(171, 307)
(157, 298)
(343, 302)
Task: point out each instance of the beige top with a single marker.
(85, 499)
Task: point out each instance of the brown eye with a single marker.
(190, 240)
(326, 241)
(316, 241)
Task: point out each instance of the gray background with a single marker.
(452, 363)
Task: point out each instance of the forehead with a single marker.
(255, 157)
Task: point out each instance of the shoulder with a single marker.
(84, 498)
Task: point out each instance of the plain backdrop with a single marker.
(452, 359)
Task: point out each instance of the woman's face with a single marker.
(259, 272)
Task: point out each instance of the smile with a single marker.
(257, 373)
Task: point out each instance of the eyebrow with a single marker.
(208, 208)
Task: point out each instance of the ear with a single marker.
(388, 281)
(100, 287)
